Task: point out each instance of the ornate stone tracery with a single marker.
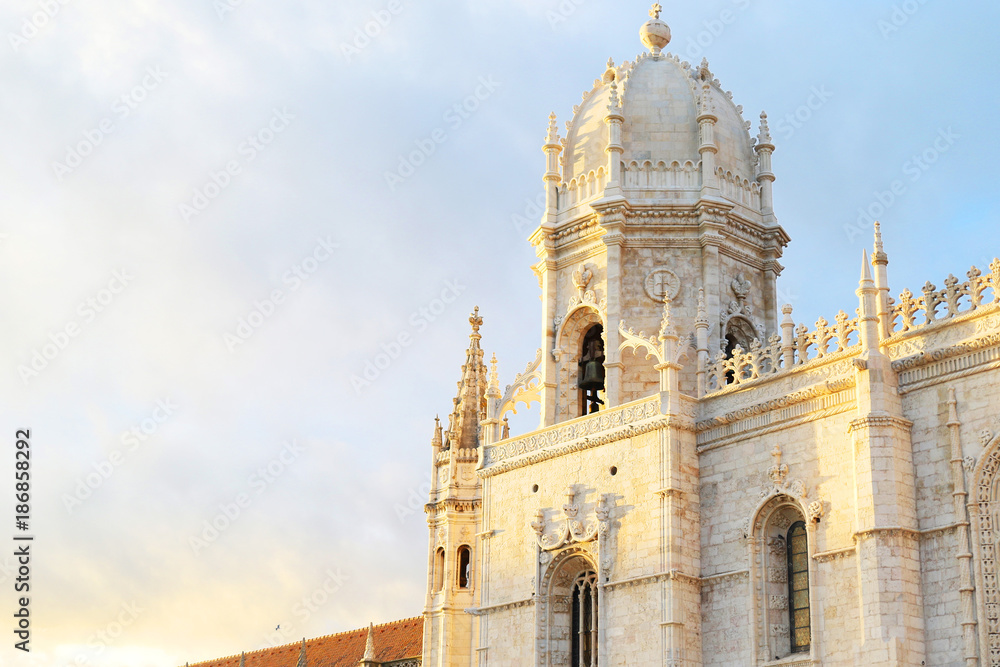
(985, 510)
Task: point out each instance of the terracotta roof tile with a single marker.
(393, 641)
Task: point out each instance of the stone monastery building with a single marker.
(724, 487)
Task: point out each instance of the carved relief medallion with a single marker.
(662, 282)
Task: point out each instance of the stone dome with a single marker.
(660, 105)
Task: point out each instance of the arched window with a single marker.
(780, 578)
(439, 569)
(798, 588)
(464, 566)
(591, 378)
(567, 608)
(583, 621)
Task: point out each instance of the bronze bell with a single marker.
(593, 375)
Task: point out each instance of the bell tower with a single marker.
(656, 190)
(454, 516)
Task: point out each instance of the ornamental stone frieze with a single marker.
(572, 528)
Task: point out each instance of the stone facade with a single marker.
(751, 492)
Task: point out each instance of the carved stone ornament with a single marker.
(582, 278)
(781, 483)
(985, 437)
(969, 463)
(572, 528)
(815, 511)
(662, 282)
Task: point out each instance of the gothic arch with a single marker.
(772, 587)
(569, 337)
(985, 515)
(553, 616)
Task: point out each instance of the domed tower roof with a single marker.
(662, 101)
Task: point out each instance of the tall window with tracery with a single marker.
(798, 588)
(583, 621)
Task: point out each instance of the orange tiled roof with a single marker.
(393, 641)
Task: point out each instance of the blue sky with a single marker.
(171, 170)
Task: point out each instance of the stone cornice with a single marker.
(880, 421)
(819, 402)
(482, 611)
(887, 531)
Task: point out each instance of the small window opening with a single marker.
(464, 566)
(592, 370)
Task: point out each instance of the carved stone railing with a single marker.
(797, 347)
(938, 305)
(467, 454)
(593, 426)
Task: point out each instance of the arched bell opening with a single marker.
(592, 374)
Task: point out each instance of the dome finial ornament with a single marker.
(655, 33)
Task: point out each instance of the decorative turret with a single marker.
(880, 260)
(470, 406)
(553, 147)
(765, 177)
(614, 119)
(706, 122)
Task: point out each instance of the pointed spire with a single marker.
(469, 404)
(493, 388)
(667, 329)
(552, 137)
(302, 655)
(615, 103)
(764, 137)
(437, 441)
(243, 659)
(370, 643)
(866, 271)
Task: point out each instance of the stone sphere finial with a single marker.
(655, 33)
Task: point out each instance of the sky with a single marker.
(217, 217)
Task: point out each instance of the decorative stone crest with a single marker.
(573, 528)
(582, 278)
(779, 471)
(662, 282)
(985, 437)
(815, 511)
